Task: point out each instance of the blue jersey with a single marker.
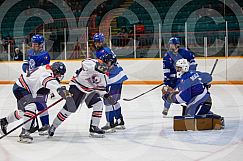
(192, 92)
(99, 53)
(169, 62)
(35, 59)
(116, 75)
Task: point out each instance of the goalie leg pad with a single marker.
(198, 122)
(182, 123)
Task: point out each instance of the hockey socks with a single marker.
(97, 113)
(14, 116)
(117, 109)
(61, 116)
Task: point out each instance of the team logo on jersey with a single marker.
(94, 80)
(32, 63)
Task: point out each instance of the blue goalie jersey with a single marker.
(169, 62)
(35, 60)
(192, 92)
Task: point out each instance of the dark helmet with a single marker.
(58, 68)
(174, 40)
(37, 39)
(108, 56)
(101, 66)
(99, 37)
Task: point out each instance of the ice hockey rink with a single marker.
(147, 137)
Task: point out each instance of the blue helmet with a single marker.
(37, 39)
(99, 37)
(108, 56)
(58, 68)
(174, 40)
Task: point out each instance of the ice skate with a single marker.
(3, 124)
(109, 127)
(165, 112)
(120, 124)
(25, 137)
(51, 131)
(44, 130)
(96, 132)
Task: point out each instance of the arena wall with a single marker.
(145, 71)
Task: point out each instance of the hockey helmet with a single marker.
(58, 69)
(174, 40)
(101, 66)
(108, 56)
(37, 39)
(99, 37)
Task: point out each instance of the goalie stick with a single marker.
(130, 99)
(33, 117)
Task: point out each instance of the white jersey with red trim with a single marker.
(39, 77)
(90, 79)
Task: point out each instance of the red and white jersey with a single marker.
(39, 77)
(90, 79)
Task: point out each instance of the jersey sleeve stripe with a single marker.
(46, 80)
(23, 83)
(81, 86)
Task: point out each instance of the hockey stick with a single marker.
(130, 99)
(127, 99)
(215, 63)
(33, 117)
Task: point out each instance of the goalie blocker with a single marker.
(198, 122)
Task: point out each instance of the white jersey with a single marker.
(89, 79)
(39, 77)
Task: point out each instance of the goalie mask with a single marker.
(182, 66)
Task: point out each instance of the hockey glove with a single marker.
(170, 97)
(63, 92)
(166, 89)
(110, 99)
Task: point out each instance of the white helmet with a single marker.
(184, 65)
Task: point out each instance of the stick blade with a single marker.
(126, 99)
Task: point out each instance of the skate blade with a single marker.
(43, 133)
(166, 116)
(25, 141)
(49, 137)
(95, 135)
(120, 127)
(110, 130)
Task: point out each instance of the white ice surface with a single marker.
(148, 137)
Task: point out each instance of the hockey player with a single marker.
(191, 90)
(170, 58)
(99, 40)
(115, 81)
(36, 57)
(89, 85)
(25, 90)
